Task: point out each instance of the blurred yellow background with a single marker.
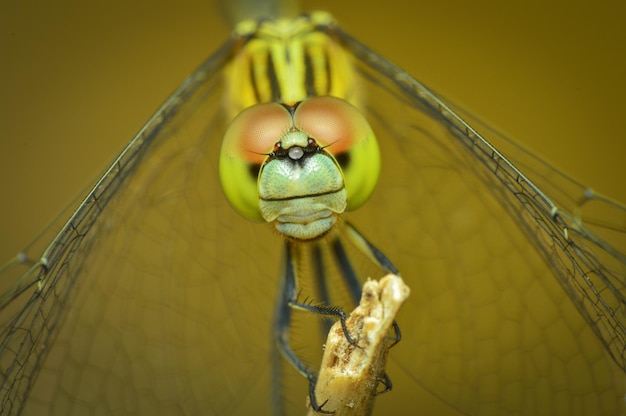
(79, 79)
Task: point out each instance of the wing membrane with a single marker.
(489, 255)
(156, 298)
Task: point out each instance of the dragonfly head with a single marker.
(299, 167)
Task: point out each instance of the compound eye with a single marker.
(255, 131)
(250, 137)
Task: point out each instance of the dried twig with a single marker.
(350, 375)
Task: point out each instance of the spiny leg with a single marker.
(289, 301)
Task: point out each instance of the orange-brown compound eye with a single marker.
(332, 122)
(342, 130)
(249, 138)
(255, 131)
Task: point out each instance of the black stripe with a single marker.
(253, 83)
(329, 84)
(274, 84)
(308, 74)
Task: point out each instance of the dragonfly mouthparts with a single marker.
(306, 225)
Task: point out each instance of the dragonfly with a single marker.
(158, 297)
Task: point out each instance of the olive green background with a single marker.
(78, 80)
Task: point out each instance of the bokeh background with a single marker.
(78, 80)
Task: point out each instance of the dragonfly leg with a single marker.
(289, 301)
(370, 250)
(386, 382)
(353, 282)
(290, 294)
(349, 275)
(347, 271)
(321, 282)
(397, 335)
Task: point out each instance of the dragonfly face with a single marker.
(299, 185)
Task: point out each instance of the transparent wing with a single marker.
(156, 298)
(517, 278)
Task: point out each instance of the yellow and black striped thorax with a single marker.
(286, 61)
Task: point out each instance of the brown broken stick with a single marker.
(350, 374)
